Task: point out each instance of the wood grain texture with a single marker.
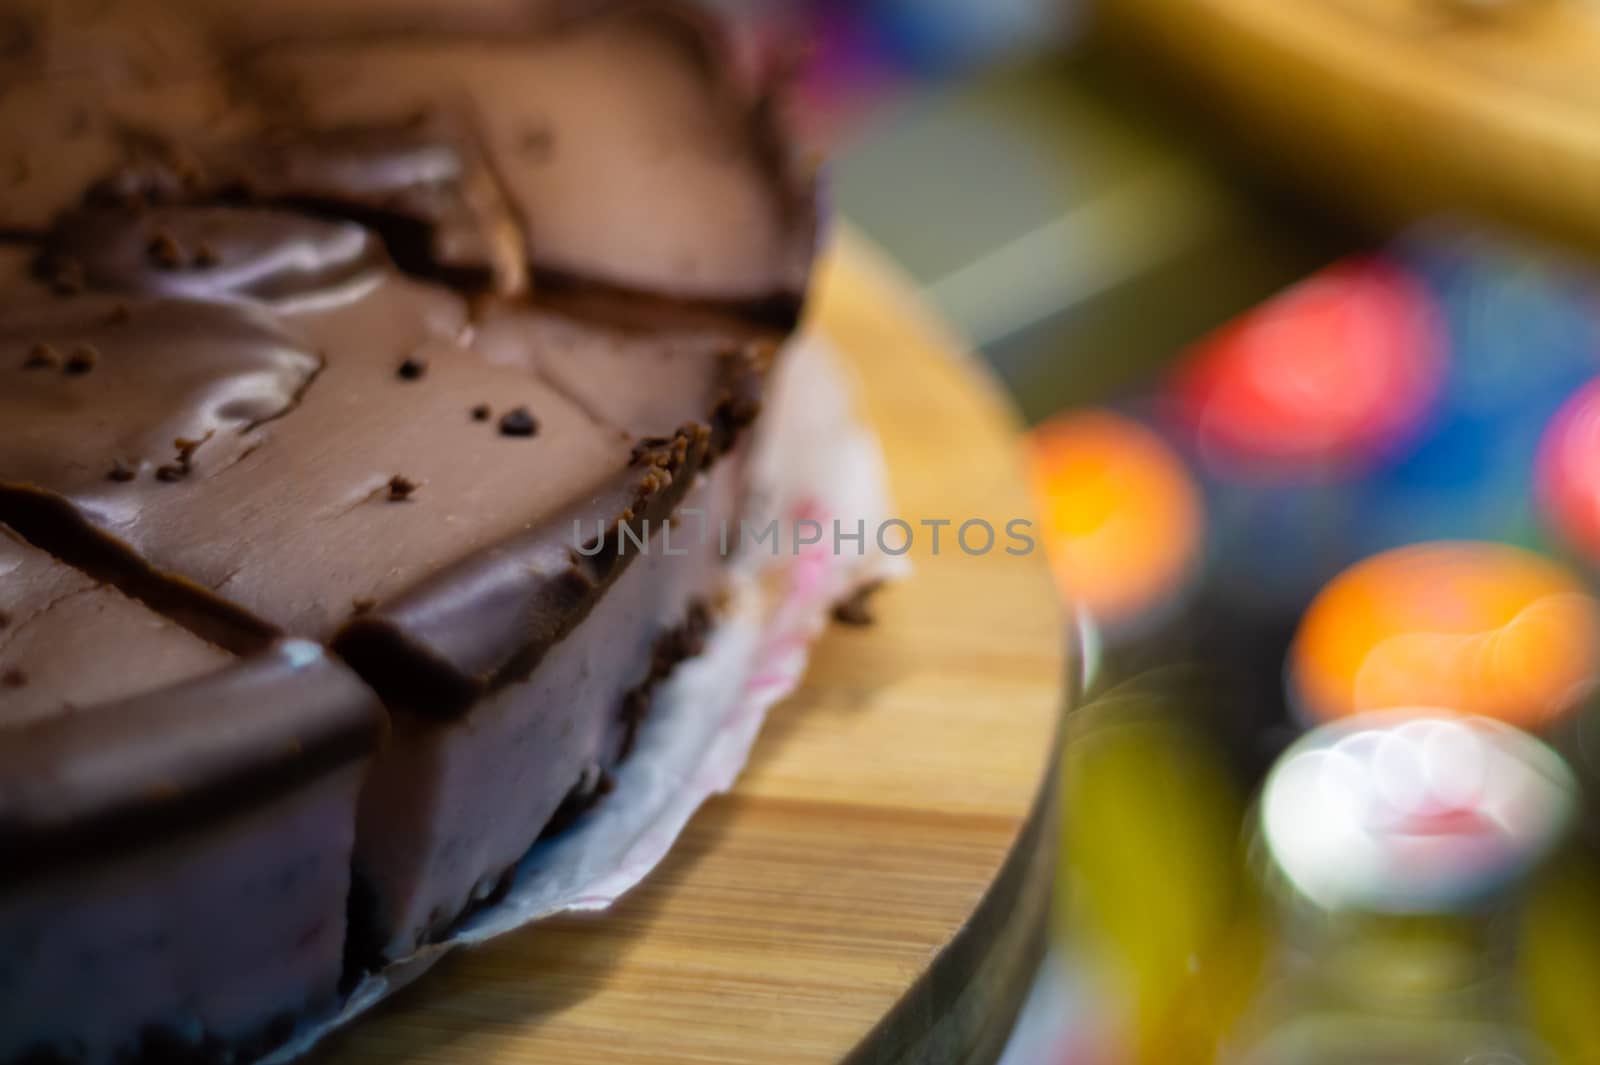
(1400, 108)
(876, 887)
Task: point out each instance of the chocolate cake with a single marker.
(348, 353)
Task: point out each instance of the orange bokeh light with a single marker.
(1121, 514)
(1471, 628)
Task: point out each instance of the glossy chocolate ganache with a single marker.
(323, 328)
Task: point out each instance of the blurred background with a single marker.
(1020, 161)
(1298, 299)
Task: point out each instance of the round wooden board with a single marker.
(1403, 107)
(876, 888)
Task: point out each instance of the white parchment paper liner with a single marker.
(812, 461)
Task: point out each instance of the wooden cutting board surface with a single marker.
(1399, 107)
(876, 887)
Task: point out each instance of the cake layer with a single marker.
(453, 805)
(205, 946)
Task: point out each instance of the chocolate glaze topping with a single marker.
(74, 784)
(212, 253)
(176, 381)
(419, 181)
(49, 606)
(588, 128)
(490, 619)
(510, 268)
(128, 720)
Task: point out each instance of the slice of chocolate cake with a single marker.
(386, 371)
(150, 787)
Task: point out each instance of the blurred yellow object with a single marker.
(1396, 109)
(1154, 888)
(1473, 628)
(1121, 514)
(1560, 959)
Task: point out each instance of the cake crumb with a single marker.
(121, 472)
(363, 605)
(177, 471)
(856, 609)
(164, 251)
(42, 357)
(82, 360)
(650, 447)
(401, 488)
(13, 678)
(518, 421)
(481, 413)
(412, 369)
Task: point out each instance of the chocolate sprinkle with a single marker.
(481, 413)
(82, 360)
(518, 421)
(412, 369)
(121, 472)
(401, 488)
(171, 473)
(41, 357)
(164, 252)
